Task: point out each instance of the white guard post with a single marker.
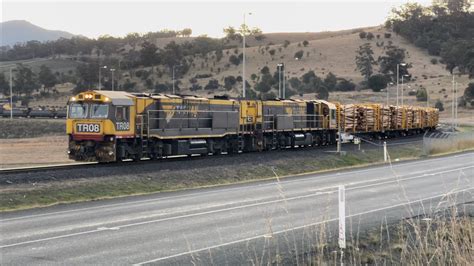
(342, 220)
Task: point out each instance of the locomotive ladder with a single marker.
(144, 131)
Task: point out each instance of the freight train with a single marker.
(6, 111)
(109, 126)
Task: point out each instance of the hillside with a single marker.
(19, 31)
(325, 52)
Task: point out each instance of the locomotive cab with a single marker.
(95, 120)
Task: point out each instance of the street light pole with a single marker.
(112, 70)
(174, 80)
(388, 87)
(403, 87)
(11, 94)
(398, 70)
(452, 106)
(456, 106)
(243, 55)
(284, 82)
(280, 94)
(100, 82)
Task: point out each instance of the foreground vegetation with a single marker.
(445, 237)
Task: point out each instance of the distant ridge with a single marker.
(20, 31)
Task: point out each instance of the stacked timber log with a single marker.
(409, 116)
(386, 117)
(349, 117)
(367, 118)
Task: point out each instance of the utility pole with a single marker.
(174, 81)
(452, 107)
(112, 70)
(280, 93)
(11, 94)
(398, 70)
(284, 83)
(398, 74)
(244, 29)
(456, 106)
(100, 81)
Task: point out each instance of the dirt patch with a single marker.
(33, 151)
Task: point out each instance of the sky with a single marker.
(117, 18)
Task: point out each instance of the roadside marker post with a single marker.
(342, 220)
(385, 157)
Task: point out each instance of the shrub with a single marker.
(345, 85)
(305, 43)
(439, 105)
(377, 82)
(234, 60)
(421, 94)
(299, 54)
(469, 92)
(362, 34)
(434, 61)
(213, 84)
(387, 35)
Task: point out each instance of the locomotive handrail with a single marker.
(197, 119)
(312, 124)
(196, 111)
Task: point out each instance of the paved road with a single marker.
(224, 224)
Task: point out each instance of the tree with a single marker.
(345, 85)
(330, 81)
(439, 105)
(234, 60)
(421, 95)
(393, 56)
(364, 60)
(265, 70)
(299, 55)
(88, 74)
(148, 54)
(46, 77)
(213, 84)
(230, 33)
(186, 32)
(457, 6)
(370, 36)
(377, 82)
(469, 92)
(229, 82)
(25, 80)
(4, 85)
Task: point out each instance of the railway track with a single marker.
(374, 144)
(44, 168)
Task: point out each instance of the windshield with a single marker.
(99, 111)
(78, 110)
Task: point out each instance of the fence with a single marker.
(441, 142)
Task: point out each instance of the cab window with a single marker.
(99, 111)
(78, 110)
(121, 113)
(333, 114)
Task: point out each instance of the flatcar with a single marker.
(109, 126)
